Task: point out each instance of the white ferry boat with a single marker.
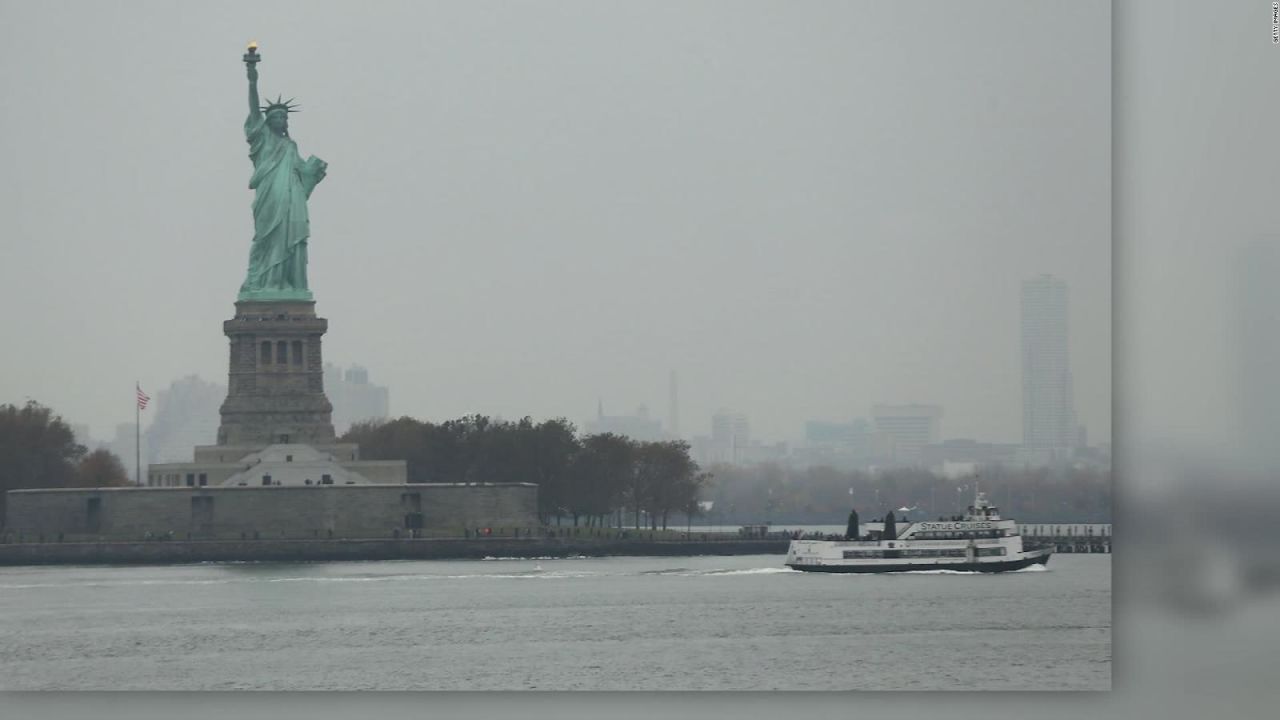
(977, 541)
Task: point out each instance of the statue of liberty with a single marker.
(282, 182)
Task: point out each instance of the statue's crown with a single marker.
(281, 104)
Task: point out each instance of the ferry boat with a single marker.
(979, 540)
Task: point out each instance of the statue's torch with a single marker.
(251, 56)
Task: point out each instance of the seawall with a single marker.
(162, 552)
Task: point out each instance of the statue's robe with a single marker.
(283, 182)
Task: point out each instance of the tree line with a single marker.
(595, 480)
(587, 480)
(824, 495)
(39, 451)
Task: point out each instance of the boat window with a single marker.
(862, 554)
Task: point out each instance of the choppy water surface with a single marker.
(694, 623)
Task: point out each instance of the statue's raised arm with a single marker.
(251, 64)
(282, 183)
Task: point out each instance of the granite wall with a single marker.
(310, 512)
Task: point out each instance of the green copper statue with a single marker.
(282, 182)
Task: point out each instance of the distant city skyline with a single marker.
(355, 399)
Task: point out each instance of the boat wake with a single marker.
(537, 557)
(687, 572)
(753, 571)
(535, 574)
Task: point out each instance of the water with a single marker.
(695, 623)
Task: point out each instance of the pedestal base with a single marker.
(275, 387)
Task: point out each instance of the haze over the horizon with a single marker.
(804, 209)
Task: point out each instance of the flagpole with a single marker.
(137, 434)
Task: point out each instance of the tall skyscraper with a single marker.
(1048, 410)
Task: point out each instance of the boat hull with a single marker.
(1033, 557)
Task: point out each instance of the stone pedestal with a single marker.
(275, 388)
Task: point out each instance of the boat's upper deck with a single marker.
(981, 520)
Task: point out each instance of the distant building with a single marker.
(354, 398)
(637, 427)
(908, 428)
(185, 415)
(1048, 410)
(730, 442)
(730, 436)
(842, 445)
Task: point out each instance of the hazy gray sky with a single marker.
(803, 208)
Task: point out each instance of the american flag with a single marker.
(143, 398)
